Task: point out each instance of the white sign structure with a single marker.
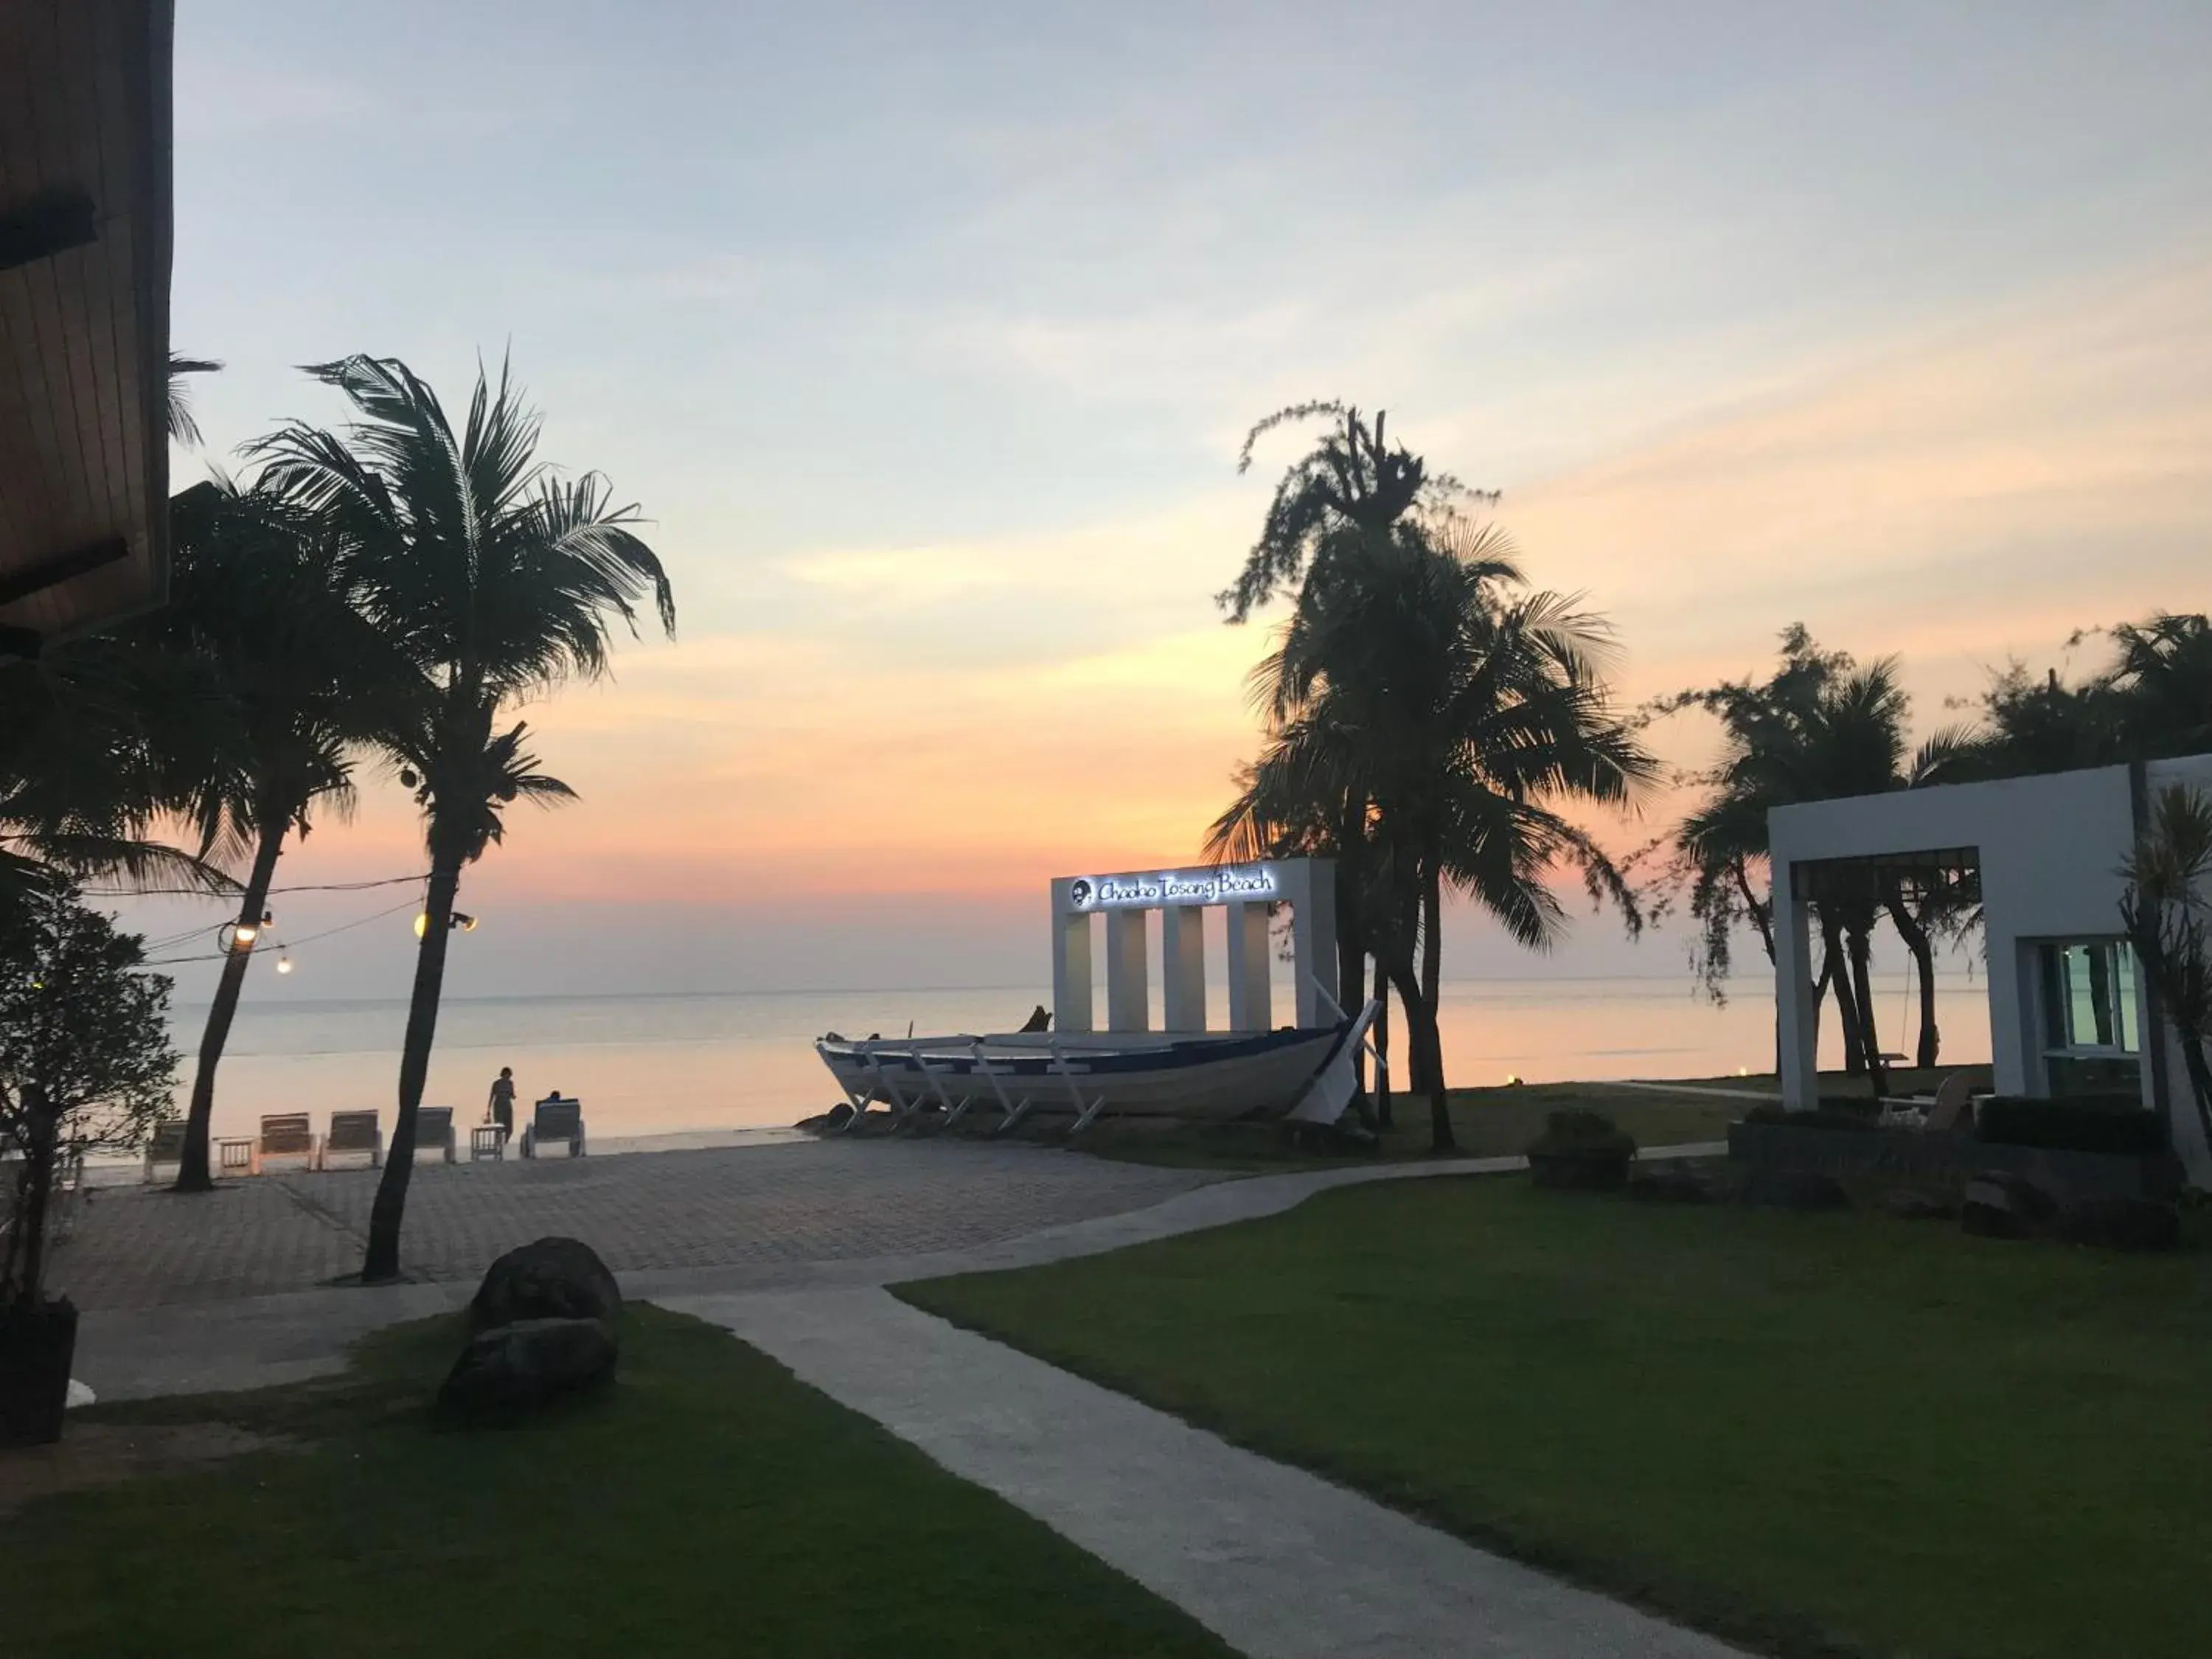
(1245, 892)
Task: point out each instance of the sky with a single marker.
(926, 337)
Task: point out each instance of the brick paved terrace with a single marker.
(756, 1205)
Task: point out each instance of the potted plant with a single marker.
(1583, 1150)
(85, 1063)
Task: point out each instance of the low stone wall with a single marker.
(1910, 1155)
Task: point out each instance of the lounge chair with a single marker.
(554, 1119)
(166, 1145)
(434, 1131)
(1952, 1112)
(354, 1132)
(286, 1134)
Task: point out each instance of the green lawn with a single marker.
(1488, 1122)
(1819, 1434)
(712, 1505)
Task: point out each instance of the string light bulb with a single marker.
(421, 924)
(284, 964)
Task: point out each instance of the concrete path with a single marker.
(1279, 1563)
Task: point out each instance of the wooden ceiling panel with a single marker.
(84, 111)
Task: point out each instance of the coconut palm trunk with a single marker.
(1862, 953)
(1916, 941)
(193, 1173)
(1379, 1034)
(381, 1262)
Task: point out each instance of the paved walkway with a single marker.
(812, 1200)
(1279, 1563)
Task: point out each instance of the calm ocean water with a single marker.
(655, 1065)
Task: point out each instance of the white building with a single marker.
(2068, 1010)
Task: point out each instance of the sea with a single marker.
(671, 1065)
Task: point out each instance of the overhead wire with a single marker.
(288, 945)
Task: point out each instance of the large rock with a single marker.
(2121, 1224)
(552, 1279)
(512, 1370)
(1794, 1190)
(1998, 1204)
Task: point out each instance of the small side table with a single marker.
(486, 1141)
(234, 1156)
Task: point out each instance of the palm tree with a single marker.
(491, 579)
(1821, 728)
(182, 427)
(1419, 680)
(2164, 909)
(254, 594)
(1352, 480)
(100, 741)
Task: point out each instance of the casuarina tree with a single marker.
(491, 579)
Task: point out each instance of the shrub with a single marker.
(1581, 1149)
(1578, 1127)
(2114, 1124)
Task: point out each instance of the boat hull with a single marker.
(1190, 1076)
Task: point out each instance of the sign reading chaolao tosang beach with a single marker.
(1229, 883)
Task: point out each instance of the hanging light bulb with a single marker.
(243, 934)
(421, 924)
(284, 964)
(465, 922)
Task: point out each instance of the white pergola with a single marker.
(2047, 852)
(1245, 892)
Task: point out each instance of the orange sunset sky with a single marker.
(928, 350)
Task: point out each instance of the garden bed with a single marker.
(1912, 1155)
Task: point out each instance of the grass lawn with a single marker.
(712, 1504)
(1818, 1434)
(1488, 1123)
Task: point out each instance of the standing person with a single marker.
(501, 1110)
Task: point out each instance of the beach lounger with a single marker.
(1952, 1112)
(286, 1134)
(354, 1132)
(434, 1131)
(166, 1145)
(554, 1119)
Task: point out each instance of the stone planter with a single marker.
(37, 1343)
(1906, 1154)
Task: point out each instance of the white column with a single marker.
(1128, 1000)
(1182, 966)
(2016, 1033)
(1312, 890)
(1251, 1003)
(1071, 963)
(1795, 1015)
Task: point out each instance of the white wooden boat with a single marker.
(1205, 1076)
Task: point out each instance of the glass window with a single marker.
(2092, 1029)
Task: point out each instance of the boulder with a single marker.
(1998, 1204)
(552, 1279)
(1907, 1204)
(1670, 1184)
(1794, 1190)
(2121, 1224)
(515, 1369)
